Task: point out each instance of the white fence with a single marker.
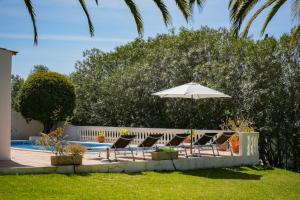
(90, 133)
(248, 141)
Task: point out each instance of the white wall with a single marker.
(5, 105)
(21, 130)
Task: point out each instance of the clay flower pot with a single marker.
(66, 160)
(235, 145)
(187, 140)
(101, 138)
(164, 155)
(223, 147)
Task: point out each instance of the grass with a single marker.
(236, 183)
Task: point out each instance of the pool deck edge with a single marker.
(149, 165)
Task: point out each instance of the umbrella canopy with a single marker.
(193, 91)
(190, 90)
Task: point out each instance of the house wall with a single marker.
(21, 129)
(5, 104)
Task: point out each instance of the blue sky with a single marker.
(64, 34)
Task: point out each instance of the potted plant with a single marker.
(238, 125)
(123, 131)
(71, 155)
(101, 137)
(167, 153)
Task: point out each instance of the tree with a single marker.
(16, 84)
(240, 9)
(263, 79)
(47, 97)
(39, 68)
(185, 6)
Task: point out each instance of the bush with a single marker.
(75, 149)
(47, 97)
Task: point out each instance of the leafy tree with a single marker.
(16, 84)
(47, 97)
(185, 6)
(39, 68)
(263, 79)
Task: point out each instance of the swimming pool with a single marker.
(30, 145)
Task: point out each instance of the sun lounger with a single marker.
(121, 144)
(149, 143)
(177, 140)
(221, 139)
(204, 141)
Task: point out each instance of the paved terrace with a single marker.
(30, 162)
(28, 158)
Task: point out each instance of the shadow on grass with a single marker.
(223, 173)
(79, 174)
(135, 173)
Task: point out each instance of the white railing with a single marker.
(90, 133)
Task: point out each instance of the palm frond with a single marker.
(294, 36)
(184, 7)
(271, 14)
(164, 11)
(199, 4)
(255, 15)
(238, 11)
(91, 27)
(136, 14)
(31, 12)
(296, 10)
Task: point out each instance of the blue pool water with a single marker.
(30, 145)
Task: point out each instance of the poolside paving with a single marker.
(27, 158)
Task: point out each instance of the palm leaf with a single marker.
(164, 11)
(238, 12)
(136, 14)
(255, 15)
(199, 4)
(271, 14)
(296, 10)
(294, 37)
(32, 15)
(184, 7)
(91, 27)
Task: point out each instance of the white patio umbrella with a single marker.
(192, 91)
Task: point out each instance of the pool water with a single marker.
(30, 145)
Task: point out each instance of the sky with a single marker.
(64, 34)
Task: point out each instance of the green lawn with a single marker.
(238, 183)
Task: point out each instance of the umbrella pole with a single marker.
(191, 148)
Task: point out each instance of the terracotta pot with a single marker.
(223, 147)
(66, 160)
(164, 155)
(235, 146)
(187, 140)
(101, 138)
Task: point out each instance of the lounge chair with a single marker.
(121, 144)
(204, 141)
(224, 137)
(149, 142)
(177, 140)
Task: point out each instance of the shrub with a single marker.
(75, 149)
(123, 131)
(53, 141)
(47, 97)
